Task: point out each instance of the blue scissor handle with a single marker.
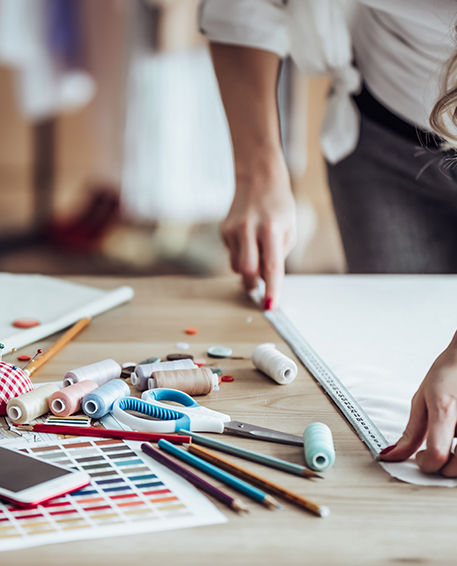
(172, 395)
(142, 407)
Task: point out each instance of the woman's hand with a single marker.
(260, 229)
(433, 417)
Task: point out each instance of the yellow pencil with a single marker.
(61, 343)
(265, 484)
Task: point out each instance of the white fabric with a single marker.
(402, 45)
(379, 335)
(54, 302)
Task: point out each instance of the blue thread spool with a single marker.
(100, 402)
(319, 449)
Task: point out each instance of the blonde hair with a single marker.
(443, 118)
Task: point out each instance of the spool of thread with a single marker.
(101, 372)
(319, 448)
(273, 363)
(197, 381)
(143, 372)
(68, 400)
(100, 402)
(13, 382)
(31, 405)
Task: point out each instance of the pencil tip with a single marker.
(311, 474)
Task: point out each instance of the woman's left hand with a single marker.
(433, 418)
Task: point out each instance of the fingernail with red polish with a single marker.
(387, 450)
(268, 303)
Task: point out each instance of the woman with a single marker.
(395, 196)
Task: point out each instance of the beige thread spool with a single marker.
(198, 381)
(31, 405)
(143, 372)
(68, 400)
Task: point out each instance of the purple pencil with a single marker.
(232, 502)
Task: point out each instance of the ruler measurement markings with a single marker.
(352, 411)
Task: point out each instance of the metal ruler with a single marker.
(345, 402)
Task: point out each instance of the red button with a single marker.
(227, 378)
(26, 323)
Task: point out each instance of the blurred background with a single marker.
(114, 150)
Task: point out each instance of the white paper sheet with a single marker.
(54, 302)
(379, 335)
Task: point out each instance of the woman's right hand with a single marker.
(260, 229)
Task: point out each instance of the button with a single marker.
(26, 323)
(219, 352)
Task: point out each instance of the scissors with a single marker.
(188, 415)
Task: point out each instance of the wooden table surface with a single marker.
(374, 518)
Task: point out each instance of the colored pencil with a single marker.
(105, 433)
(224, 477)
(283, 465)
(61, 343)
(320, 510)
(232, 502)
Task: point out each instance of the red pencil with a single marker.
(106, 433)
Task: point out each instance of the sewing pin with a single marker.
(38, 352)
(13, 351)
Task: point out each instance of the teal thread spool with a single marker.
(319, 449)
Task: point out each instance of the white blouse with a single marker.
(401, 48)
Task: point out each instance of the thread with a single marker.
(100, 402)
(319, 448)
(143, 372)
(13, 382)
(31, 405)
(101, 372)
(68, 400)
(197, 381)
(273, 363)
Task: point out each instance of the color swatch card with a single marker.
(128, 494)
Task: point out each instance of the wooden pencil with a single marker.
(232, 502)
(105, 433)
(214, 471)
(57, 346)
(320, 510)
(277, 463)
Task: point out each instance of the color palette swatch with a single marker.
(127, 494)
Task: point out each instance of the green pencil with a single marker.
(250, 455)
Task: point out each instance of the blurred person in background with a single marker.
(390, 151)
(394, 198)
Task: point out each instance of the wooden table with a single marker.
(374, 518)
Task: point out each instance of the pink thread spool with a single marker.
(68, 400)
(13, 382)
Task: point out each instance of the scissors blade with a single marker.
(261, 433)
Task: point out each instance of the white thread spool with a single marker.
(143, 372)
(273, 363)
(31, 405)
(101, 372)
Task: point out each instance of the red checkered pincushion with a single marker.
(13, 382)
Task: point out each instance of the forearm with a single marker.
(248, 83)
